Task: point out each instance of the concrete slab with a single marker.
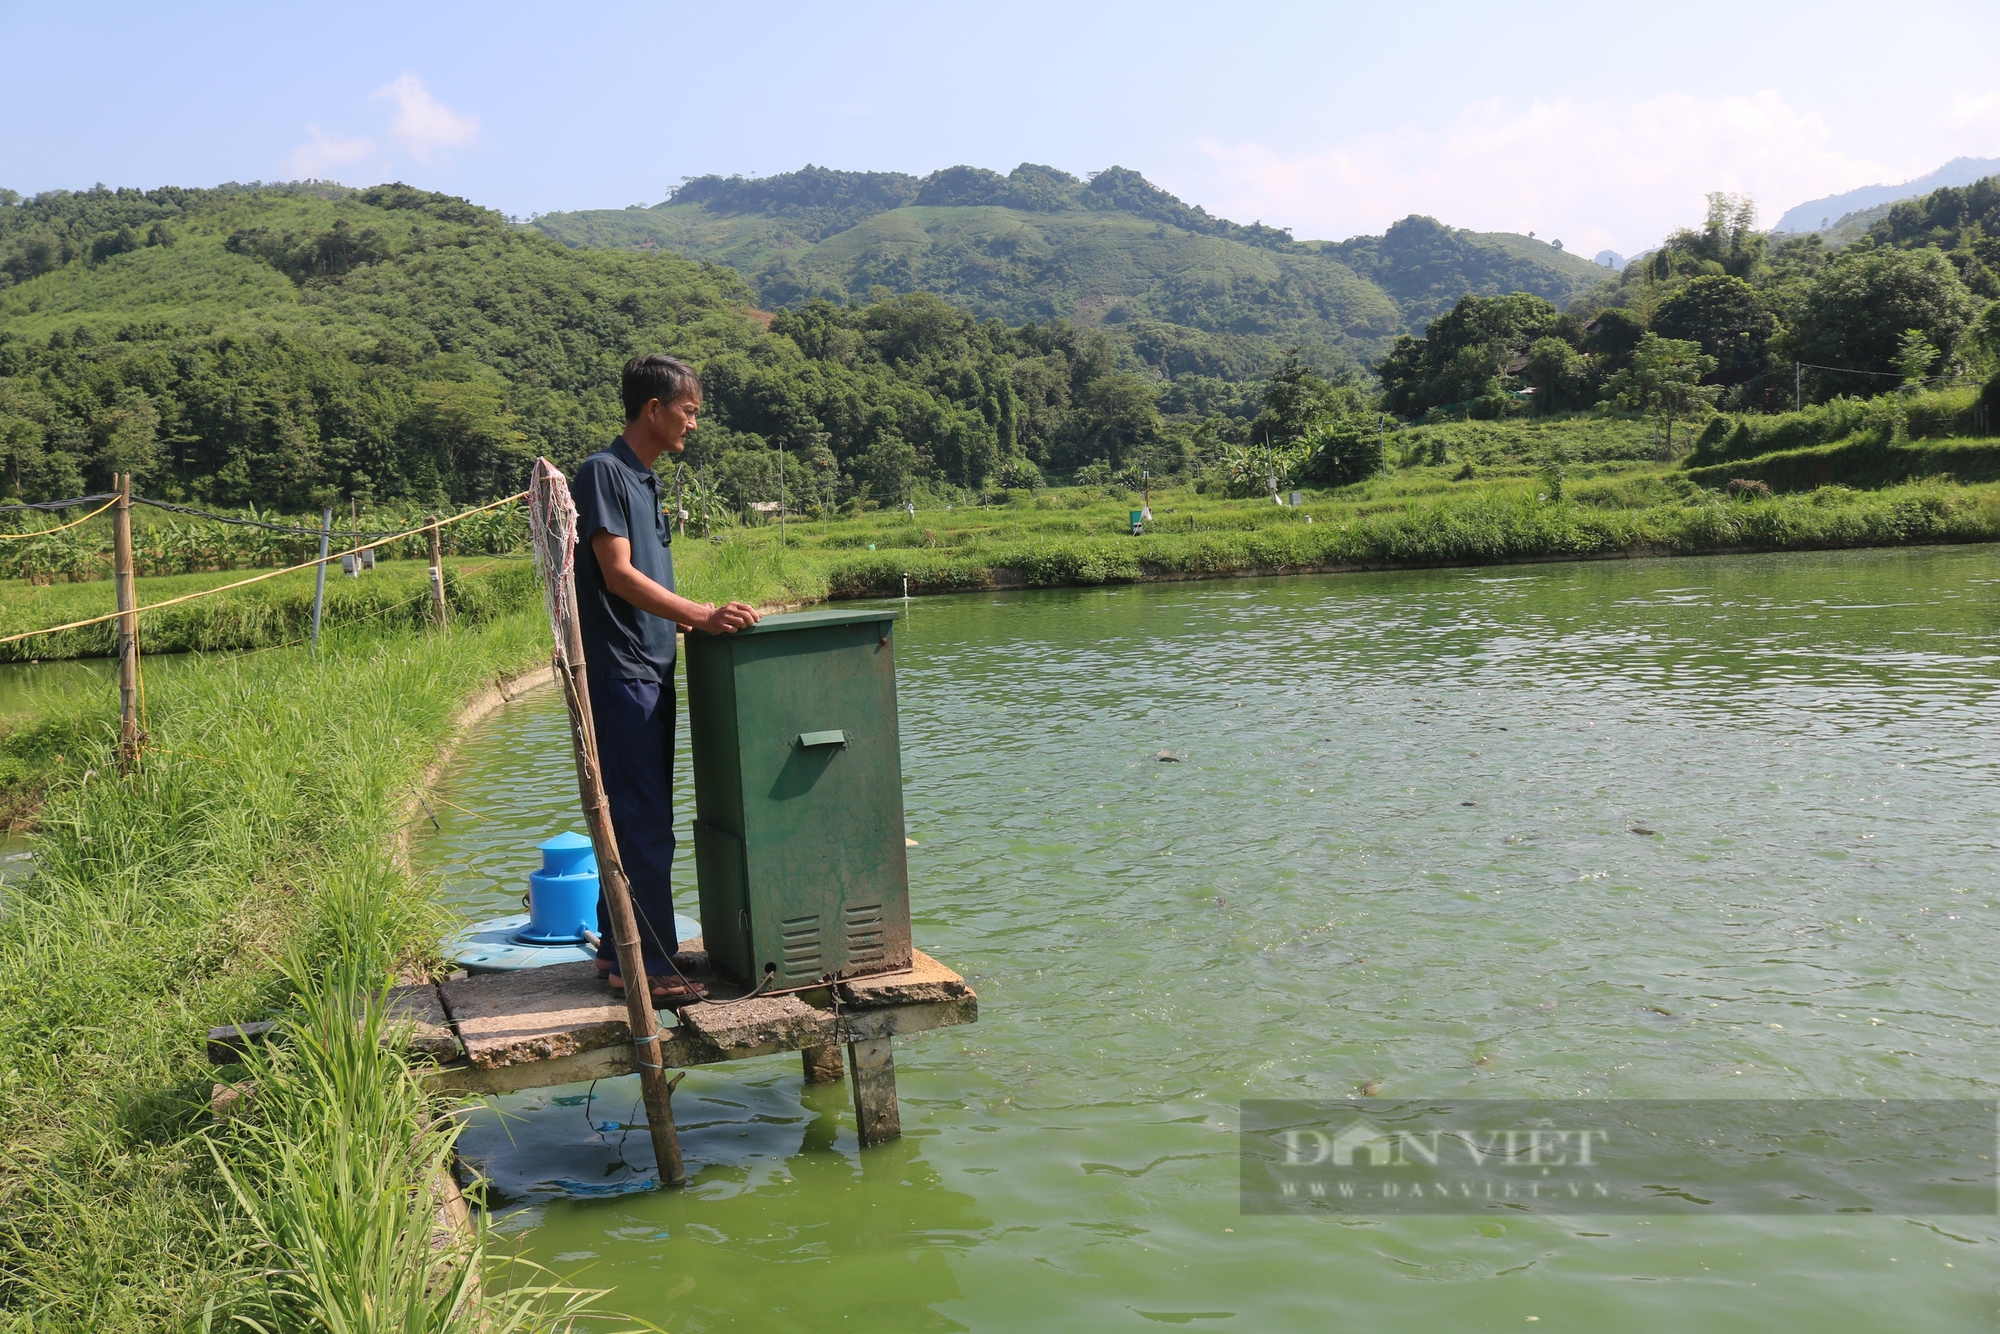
(926, 981)
(766, 1024)
(417, 1016)
(537, 1014)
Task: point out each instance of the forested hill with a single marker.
(298, 345)
(1189, 291)
(1834, 211)
(295, 346)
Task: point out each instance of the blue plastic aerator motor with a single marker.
(562, 896)
(562, 905)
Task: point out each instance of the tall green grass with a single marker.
(763, 574)
(1866, 459)
(340, 1164)
(242, 871)
(1577, 437)
(1932, 414)
(335, 1163)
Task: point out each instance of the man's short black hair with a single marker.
(655, 376)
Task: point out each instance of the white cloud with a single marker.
(422, 129)
(1979, 114)
(323, 154)
(423, 124)
(1596, 174)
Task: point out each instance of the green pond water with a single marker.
(1400, 847)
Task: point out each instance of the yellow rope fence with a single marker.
(259, 578)
(22, 537)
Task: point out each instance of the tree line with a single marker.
(821, 201)
(1724, 315)
(406, 346)
(294, 346)
(1183, 291)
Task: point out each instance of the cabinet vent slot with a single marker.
(864, 934)
(800, 938)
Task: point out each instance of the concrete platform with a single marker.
(503, 1032)
(558, 1025)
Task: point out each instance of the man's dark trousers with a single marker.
(635, 747)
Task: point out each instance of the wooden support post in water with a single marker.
(128, 627)
(873, 1067)
(438, 611)
(822, 1064)
(644, 1023)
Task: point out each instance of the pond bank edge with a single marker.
(1008, 579)
(504, 691)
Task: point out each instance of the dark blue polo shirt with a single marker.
(617, 494)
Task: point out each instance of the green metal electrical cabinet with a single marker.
(798, 783)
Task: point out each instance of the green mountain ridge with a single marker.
(291, 345)
(300, 345)
(1190, 292)
(1836, 211)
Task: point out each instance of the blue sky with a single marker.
(1600, 125)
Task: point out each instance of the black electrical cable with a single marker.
(700, 992)
(1849, 370)
(49, 505)
(297, 529)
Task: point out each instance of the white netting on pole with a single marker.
(552, 529)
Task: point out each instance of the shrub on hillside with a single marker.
(1340, 451)
(1018, 474)
(1919, 416)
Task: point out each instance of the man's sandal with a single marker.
(669, 993)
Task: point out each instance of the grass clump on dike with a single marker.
(245, 870)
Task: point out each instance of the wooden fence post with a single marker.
(639, 1016)
(319, 575)
(128, 627)
(438, 611)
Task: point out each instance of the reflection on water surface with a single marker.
(1699, 828)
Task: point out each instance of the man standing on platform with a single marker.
(628, 614)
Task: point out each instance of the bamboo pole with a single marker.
(646, 1041)
(438, 610)
(128, 627)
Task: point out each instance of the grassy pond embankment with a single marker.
(1568, 487)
